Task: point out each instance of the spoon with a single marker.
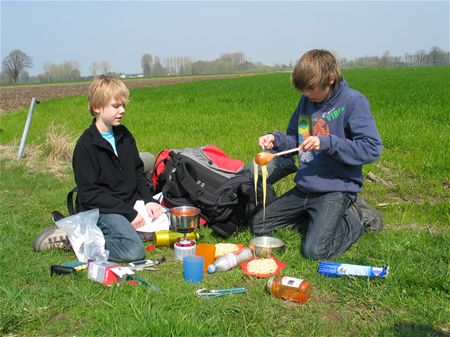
(263, 158)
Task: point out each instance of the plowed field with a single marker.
(13, 98)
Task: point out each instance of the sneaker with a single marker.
(52, 237)
(371, 218)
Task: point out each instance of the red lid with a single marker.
(185, 244)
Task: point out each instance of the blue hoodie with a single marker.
(348, 139)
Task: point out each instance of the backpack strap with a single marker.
(71, 205)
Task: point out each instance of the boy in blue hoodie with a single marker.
(335, 133)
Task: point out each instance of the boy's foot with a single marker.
(56, 216)
(52, 237)
(371, 218)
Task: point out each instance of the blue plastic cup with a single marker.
(193, 268)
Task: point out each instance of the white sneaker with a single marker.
(52, 237)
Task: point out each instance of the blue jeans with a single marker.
(121, 239)
(333, 223)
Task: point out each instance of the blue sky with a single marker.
(269, 32)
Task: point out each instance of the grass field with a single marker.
(411, 182)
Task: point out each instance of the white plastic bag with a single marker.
(86, 238)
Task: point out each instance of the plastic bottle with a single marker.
(230, 260)
(289, 288)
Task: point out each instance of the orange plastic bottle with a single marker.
(289, 288)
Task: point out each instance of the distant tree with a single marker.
(187, 65)
(409, 59)
(386, 59)
(15, 63)
(420, 57)
(104, 67)
(24, 76)
(168, 63)
(230, 62)
(62, 72)
(146, 64)
(158, 68)
(93, 68)
(436, 57)
(3, 77)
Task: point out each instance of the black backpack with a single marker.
(226, 199)
(206, 178)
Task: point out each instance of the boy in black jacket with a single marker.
(109, 173)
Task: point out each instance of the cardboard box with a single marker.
(107, 272)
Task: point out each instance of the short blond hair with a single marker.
(105, 88)
(315, 69)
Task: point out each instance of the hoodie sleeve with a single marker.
(363, 145)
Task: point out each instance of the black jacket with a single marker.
(105, 181)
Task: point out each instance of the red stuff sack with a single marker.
(159, 167)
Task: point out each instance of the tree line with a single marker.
(421, 58)
(15, 66)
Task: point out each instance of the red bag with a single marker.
(159, 167)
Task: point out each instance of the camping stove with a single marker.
(184, 219)
(184, 248)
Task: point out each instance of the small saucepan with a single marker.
(266, 246)
(184, 219)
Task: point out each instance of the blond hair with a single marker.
(315, 69)
(105, 88)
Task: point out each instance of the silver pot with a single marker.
(266, 246)
(184, 219)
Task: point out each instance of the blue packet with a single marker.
(336, 269)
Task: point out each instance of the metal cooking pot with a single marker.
(266, 246)
(184, 219)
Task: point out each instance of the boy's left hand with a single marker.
(154, 209)
(312, 143)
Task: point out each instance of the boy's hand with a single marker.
(312, 143)
(266, 141)
(154, 209)
(138, 221)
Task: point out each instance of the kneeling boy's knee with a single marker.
(313, 252)
(138, 253)
(135, 253)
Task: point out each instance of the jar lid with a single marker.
(269, 284)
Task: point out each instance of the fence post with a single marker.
(27, 127)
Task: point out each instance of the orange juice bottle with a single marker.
(289, 288)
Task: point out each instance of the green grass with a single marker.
(411, 110)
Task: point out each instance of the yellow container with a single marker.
(168, 238)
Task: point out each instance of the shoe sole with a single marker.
(373, 219)
(41, 242)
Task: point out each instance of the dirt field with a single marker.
(13, 98)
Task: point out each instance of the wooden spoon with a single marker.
(264, 158)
